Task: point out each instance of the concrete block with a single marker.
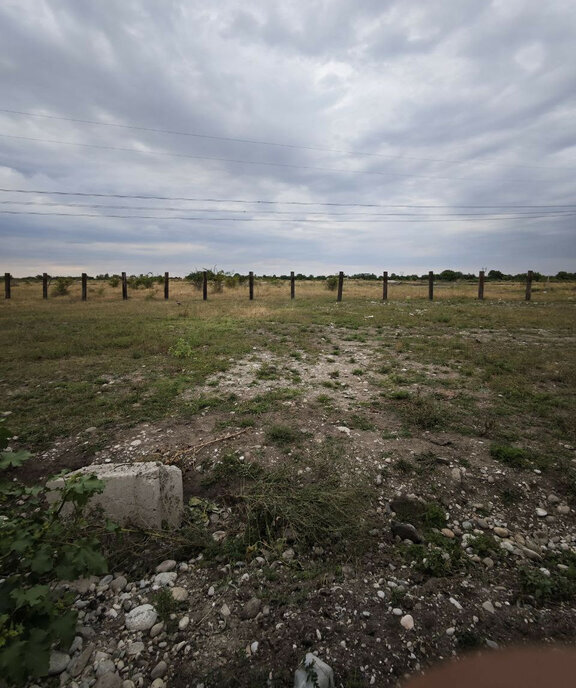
(145, 494)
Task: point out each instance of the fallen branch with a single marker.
(191, 451)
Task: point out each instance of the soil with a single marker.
(349, 610)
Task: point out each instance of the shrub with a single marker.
(62, 286)
(37, 549)
(114, 281)
(332, 282)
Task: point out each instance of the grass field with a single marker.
(67, 364)
(303, 424)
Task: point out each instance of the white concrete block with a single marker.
(145, 494)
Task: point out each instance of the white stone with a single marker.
(313, 673)
(179, 594)
(407, 622)
(144, 494)
(455, 603)
(541, 513)
(184, 622)
(166, 579)
(488, 606)
(141, 618)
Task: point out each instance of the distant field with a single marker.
(58, 355)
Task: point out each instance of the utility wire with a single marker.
(262, 219)
(256, 162)
(265, 202)
(272, 143)
(324, 213)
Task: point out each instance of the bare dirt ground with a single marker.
(492, 561)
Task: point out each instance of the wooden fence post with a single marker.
(205, 286)
(340, 285)
(124, 287)
(528, 285)
(84, 286)
(251, 285)
(166, 285)
(385, 285)
(481, 286)
(431, 285)
(7, 292)
(292, 285)
(44, 285)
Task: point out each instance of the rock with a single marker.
(145, 494)
(225, 610)
(179, 594)
(78, 664)
(118, 584)
(141, 618)
(159, 670)
(218, 535)
(501, 532)
(541, 513)
(251, 608)
(482, 523)
(488, 606)
(254, 647)
(531, 554)
(344, 429)
(211, 591)
(58, 662)
(456, 474)
(447, 533)
(553, 499)
(488, 562)
(405, 531)
(183, 623)
(164, 580)
(165, 566)
(563, 509)
(157, 683)
(156, 629)
(110, 680)
(288, 554)
(128, 684)
(407, 622)
(105, 666)
(455, 603)
(313, 673)
(76, 646)
(134, 649)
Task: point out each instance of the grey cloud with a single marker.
(422, 81)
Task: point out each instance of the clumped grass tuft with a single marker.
(424, 412)
(284, 435)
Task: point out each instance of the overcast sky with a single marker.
(376, 109)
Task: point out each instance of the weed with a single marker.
(484, 546)
(423, 412)
(334, 374)
(359, 422)
(404, 466)
(165, 605)
(231, 468)
(283, 435)
(267, 371)
(358, 372)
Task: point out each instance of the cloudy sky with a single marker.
(306, 135)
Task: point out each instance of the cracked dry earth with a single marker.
(489, 543)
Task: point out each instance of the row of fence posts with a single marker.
(8, 288)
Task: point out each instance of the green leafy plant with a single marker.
(61, 286)
(37, 549)
(181, 349)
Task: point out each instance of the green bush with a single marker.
(62, 286)
(332, 282)
(38, 549)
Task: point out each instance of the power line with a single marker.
(233, 139)
(266, 202)
(265, 212)
(299, 221)
(283, 165)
